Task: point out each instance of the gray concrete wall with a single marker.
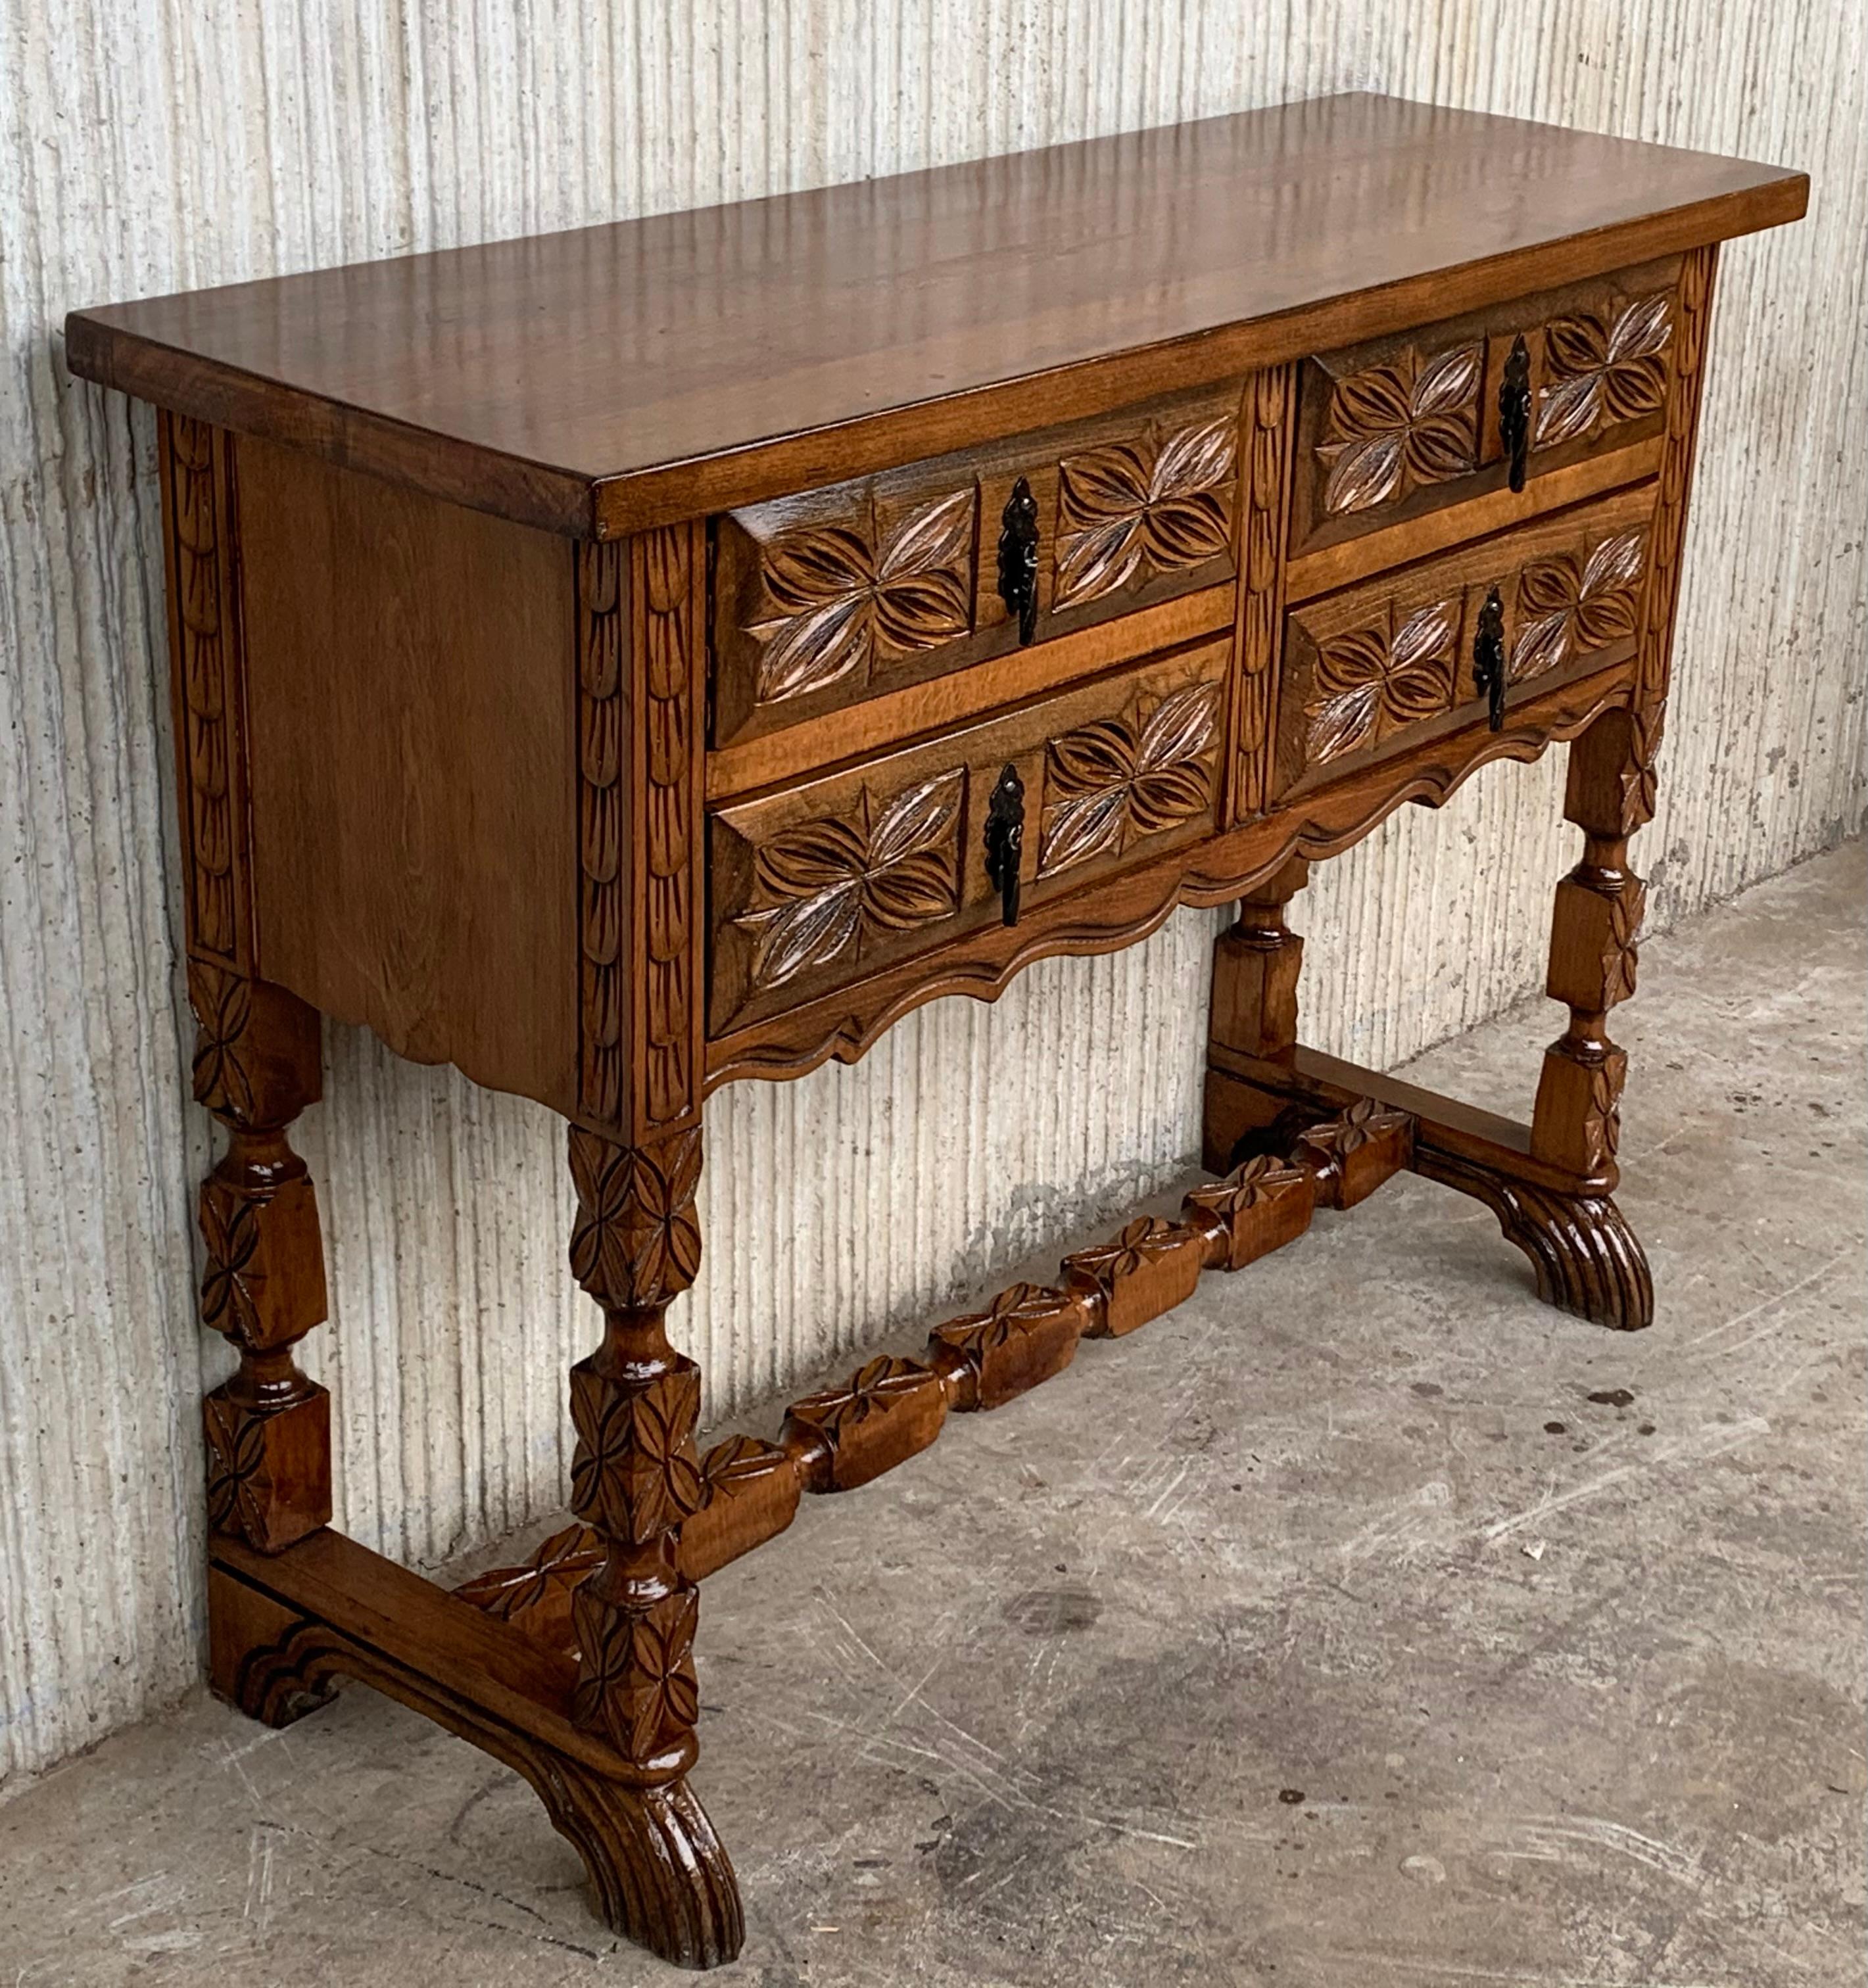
(151, 147)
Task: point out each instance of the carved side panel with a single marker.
(1270, 410)
(641, 691)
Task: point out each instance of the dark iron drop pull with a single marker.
(1515, 410)
(1488, 659)
(1018, 563)
(1005, 841)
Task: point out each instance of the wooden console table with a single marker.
(623, 661)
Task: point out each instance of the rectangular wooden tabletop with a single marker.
(600, 380)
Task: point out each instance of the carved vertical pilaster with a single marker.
(1266, 429)
(642, 697)
(1660, 600)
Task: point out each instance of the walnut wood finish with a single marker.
(627, 661)
(607, 379)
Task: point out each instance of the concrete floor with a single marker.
(1335, 1631)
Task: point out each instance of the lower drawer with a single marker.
(815, 885)
(1379, 667)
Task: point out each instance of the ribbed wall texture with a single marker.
(153, 146)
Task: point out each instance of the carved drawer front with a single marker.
(1392, 430)
(815, 886)
(1380, 667)
(837, 595)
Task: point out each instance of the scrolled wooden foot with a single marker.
(660, 1876)
(659, 1873)
(1587, 1258)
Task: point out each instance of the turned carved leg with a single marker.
(1586, 1257)
(660, 1871)
(1254, 1013)
(269, 1427)
(256, 1067)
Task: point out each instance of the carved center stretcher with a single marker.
(621, 662)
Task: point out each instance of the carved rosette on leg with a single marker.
(256, 1067)
(635, 1479)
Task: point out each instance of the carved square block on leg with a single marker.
(268, 1471)
(264, 1284)
(1259, 1207)
(1352, 1154)
(1028, 1334)
(1152, 1267)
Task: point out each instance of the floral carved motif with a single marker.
(1393, 427)
(846, 599)
(236, 1467)
(222, 1002)
(1373, 681)
(1010, 1315)
(205, 631)
(1621, 955)
(1259, 1180)
(1362, 1124)
(1144, 1239)
(230, 1231)
(1109, 783)
(1569, 606)
(1141, 508)
(873, 1389)
(894, 868)
(560, 1563)
(635, 1243)
(1601, 1123)
(1598, 373)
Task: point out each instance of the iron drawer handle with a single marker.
(1514, 409)
(1488, 659)
(1005, 841)
(1018, 561)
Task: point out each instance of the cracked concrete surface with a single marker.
(1362, 1622)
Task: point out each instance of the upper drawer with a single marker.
(1408, 425)
(1380, 668)
(815, 886)
(838, 594)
